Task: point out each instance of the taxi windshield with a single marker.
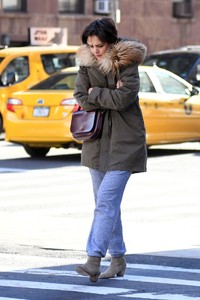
(60, 81)
(1, 59)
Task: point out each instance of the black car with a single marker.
(184, 62)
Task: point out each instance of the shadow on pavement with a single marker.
(170, 152)
(23, 164)
(48, 162)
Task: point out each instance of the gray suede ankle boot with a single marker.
(117, 267)
(91, 268)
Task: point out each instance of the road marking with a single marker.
(5, 298)
(64, 287)
(160, 296)
(41, 271)
(162, 268)
(100, 288)
(60, 261)
(160, 280)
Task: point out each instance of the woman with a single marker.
(108, 79)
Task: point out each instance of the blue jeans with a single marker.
(106, 231)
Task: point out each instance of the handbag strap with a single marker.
(79, 108)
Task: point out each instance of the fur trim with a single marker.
(121, 54)
(85, 57)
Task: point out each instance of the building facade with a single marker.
(160, 24)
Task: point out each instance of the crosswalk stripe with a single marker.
(160, 296)
(162, 268)
(117, 291)
(160, 280)
(103, 264)
(134, 278)
(64, 287)
(163, 280)
(6, 298)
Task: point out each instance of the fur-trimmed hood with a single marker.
(121, 54)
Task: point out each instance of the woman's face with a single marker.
(97, 47)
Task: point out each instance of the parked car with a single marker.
(184, 61)
(40, 117)
(22, 67)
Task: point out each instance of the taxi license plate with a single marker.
(41, 111)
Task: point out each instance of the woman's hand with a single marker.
(119, 84)
(90, 89)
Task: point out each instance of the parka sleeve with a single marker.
(119, 98)
(81, 90)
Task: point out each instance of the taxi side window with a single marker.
(19, 67)
(170, 85)
(55, 62)
(194, 77)
(146, 86)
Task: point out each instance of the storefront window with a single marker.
(14, 5)
(71, 6)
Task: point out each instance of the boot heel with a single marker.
(121, 273)
(94, 278)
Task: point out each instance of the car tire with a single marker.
(1, 124)
(36, 151)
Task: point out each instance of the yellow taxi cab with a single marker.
(170, 106)
(40, 117)
(23, 67)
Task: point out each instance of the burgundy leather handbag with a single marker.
(87, 125)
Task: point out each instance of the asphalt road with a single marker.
(45, 214)
(52, 199)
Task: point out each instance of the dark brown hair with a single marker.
(104, 29)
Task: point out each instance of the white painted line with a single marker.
(64, 287)
(162, 268)
(75, 261)
(160, 280)
(160, 296)
(46, 271)
(5, 298)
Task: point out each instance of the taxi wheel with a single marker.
(36, 151)
(1, 124)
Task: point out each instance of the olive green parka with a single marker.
(122, 145)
